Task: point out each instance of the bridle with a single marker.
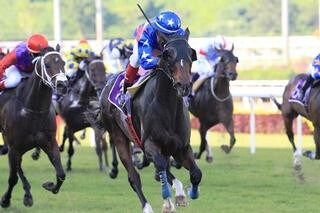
(166, 68)
(43, 75)
(87, 70)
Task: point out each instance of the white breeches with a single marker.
(12, 77)
(134, 58)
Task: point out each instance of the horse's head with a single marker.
(50, 68)
(96, 72)
(226, 67)
(176, 61)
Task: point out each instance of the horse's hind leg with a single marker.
(98, 140)
(114, 171)
(203, 132)
(230, 129)
(36, 153)
(52, 150)
(288, 126)
(316, 138)
(124, 151)
(186, 158)
(27, 200)
(70, 150)
(64, 138)
(14, 159)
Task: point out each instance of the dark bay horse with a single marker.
(161, 119)
(27, 120)
(212, 103)
(91, 82)
(290, 110)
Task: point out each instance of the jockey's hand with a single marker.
(83, 65)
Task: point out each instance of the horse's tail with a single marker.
(276, 102)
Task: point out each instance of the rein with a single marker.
(212, 87)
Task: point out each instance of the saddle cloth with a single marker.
(295, 93)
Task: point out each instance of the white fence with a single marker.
(261, 89)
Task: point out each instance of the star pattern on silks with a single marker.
(316, 62)
(146, 43)
(149, 60)
(170, 22)
(144, 55)
(160, 17)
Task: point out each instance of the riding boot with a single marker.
(2, 86)
(306, 85)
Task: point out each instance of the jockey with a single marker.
(212, 51)
(146, 43)
(314, 74)
(76, 58)
(76, 65)
(120, 50)
(17, 64)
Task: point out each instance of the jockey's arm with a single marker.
(145, 48)
(7, 61)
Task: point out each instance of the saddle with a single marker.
(294, 97)
(116, 92)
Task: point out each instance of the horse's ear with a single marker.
(40, 48)
(232, 48)
(8, 51)
(162, 38)
(187, 33)
(58, 47)
(194, 55)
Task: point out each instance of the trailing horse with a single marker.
(90, 82)
(212, 103)
(161, 120)
(27, 120)
(290, 109)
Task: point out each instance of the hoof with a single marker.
(309, 154)
(50, 186)
(28, 201)
(113, 174)
(181, 201)
(5, 203)
(193, 193)
(35, 156)
(147, 208)
(4, 150)
(196, 155)
(168, 206)
(209, 159)
(225, 148)
(61, 148)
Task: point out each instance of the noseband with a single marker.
(44, 76)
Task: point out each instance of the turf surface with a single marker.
(238, 182)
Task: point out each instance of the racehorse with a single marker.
(290, 110)
(161, 119)
(91, 82)
(213, 104)
(27, 120)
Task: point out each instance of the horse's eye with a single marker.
(47, 66)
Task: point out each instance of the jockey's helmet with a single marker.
(221, 43)
(83, 41)
(167, 22)
(36, 42)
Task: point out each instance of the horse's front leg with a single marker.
(52, 150)
(161, 163)
(230, 129)
(186, 158)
